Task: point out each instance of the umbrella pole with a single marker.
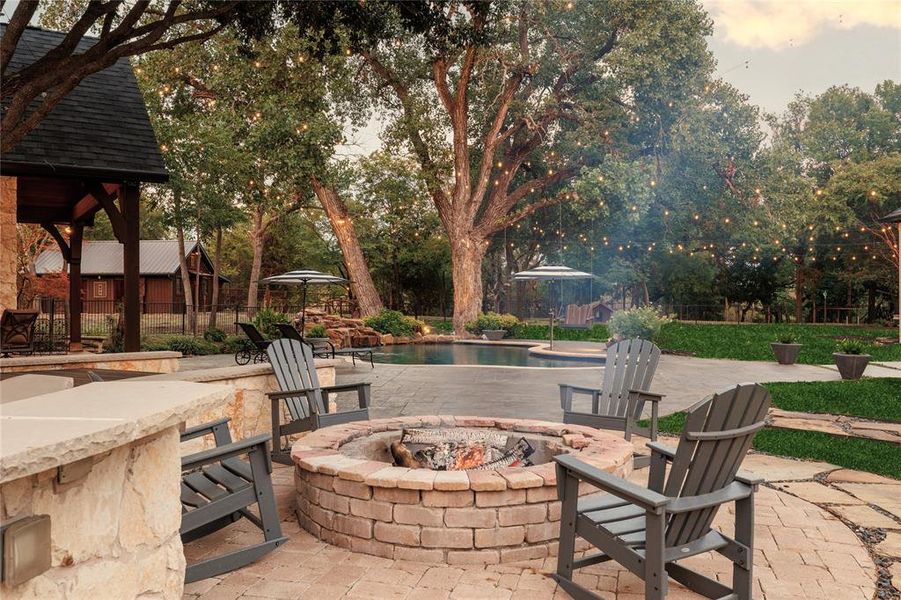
(550, 295)
(303, 310)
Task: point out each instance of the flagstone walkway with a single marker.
(821, 532)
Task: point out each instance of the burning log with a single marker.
(403, 457)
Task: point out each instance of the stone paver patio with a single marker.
(804, 549)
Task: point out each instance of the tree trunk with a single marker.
(183, 262)
(361, 284)
(257, 238)
(466, 269)
(799, 300)
(214, 301)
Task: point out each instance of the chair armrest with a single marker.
(201, 430)
(192, 461)
(567, 391)
(748, 478)
(732, 492)
(287, 394)
(362, 389)
(665, 451)
(619, 487)
(648, 396)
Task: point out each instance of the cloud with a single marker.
(780, 24)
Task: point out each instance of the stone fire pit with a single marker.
(350, 494)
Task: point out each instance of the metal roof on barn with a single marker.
(99, 130)
(100, 257)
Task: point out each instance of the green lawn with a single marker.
(869, 398)
(877, 398)
(752, 341)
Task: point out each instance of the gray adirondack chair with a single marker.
(307, 401)
(620, 401)
(648, 529)
(217, 489)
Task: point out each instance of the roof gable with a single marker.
(99, 130)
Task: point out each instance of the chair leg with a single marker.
(743, 570)
(570, 499)
(262, 483)
(655, 577)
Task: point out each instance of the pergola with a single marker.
(89, 154)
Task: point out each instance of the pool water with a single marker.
(469, 354)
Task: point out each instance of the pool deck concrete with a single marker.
(533, 392)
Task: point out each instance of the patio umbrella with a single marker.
(551, 273)
(303, 278)
(895, 217)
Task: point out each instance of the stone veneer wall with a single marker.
(249, 410)
(114, 532)
(8, 245)
(453, 517)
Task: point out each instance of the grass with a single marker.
(871, 398)
(752, 341)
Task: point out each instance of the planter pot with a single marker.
(494, 334)
(851, 366)
(786, 354)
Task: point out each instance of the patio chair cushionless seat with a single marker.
(217, 490)
(647, 530)
(325, 348)
(307, 401)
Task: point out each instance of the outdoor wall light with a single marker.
(25, 549)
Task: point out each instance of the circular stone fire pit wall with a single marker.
(454, 517)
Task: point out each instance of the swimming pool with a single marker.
(469, 354)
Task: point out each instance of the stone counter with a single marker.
(249, 409)
(114, 529)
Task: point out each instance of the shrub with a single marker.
(265, 320)
(492, 320)
(787, 337)
(214, 335)
(233, 343)
(644, 323)
(186, 344)
(538, 331)
(394, 322)
(849, 346)
(317, 331)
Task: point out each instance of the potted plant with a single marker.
(786, 348)
(492, 325)
(851, 358)
(317, 333)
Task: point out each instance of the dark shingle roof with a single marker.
(101, 129)
(100, 257)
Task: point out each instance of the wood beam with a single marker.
(129, 200)
(107, 201)
(75, 239)
(85, 209)
(64, 247)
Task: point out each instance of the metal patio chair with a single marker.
(255, 345)
(217, 489)
(325, 348)
(17, 331)
(647, 530)
(307, 401)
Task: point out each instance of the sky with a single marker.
(772, 49)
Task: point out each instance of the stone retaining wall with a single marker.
(151, 362)
(453, 517)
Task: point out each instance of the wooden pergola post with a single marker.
(76, 235)
(129, 204)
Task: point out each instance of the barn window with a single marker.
(100, 289)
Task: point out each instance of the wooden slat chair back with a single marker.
(17, 331)
(292, 364)
(647, 530)
(625, 390)
(717, 435)
(307, 401)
